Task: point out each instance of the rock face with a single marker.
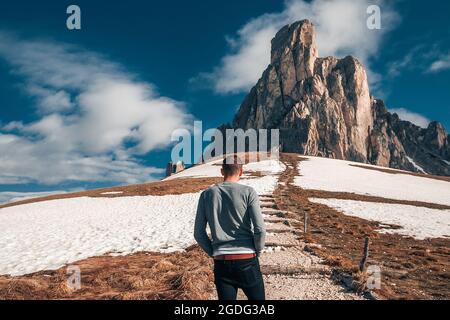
(173, 168)
(323, 107)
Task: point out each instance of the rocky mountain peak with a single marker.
(295, 43)
(323, 107)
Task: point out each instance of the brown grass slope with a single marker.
(150, 276)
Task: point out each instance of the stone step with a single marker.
(280, 231)
(268, 206)
(277, 226)
(274, 212)
(266, 201)
(272, 219)
(280, 244)
(292, 270)
(282, 237)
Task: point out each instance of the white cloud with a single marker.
(424, 58)
(341, 27)
(50, 100)
(443, 63)
(10, 196)
(415, 118)
(395, 68)
(96, 119)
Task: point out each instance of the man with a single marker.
(233, 214)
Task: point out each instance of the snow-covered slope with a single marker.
(341, 176)
(212, 169)
(47, 235)
(417, 222)
(269, 168)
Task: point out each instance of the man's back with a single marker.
(233, 214)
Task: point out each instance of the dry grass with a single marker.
(151, 276)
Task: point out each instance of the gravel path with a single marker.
(290, 272)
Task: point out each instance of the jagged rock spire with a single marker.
(295, 45)
(323, 107)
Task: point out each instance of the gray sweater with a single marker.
(233, 214)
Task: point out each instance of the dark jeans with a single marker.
(232, 275)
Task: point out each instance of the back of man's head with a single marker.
(232, 166)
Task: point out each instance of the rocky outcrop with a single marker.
(323, 107)
(174, 168)
(401, 144)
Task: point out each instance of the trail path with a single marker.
(290, 272)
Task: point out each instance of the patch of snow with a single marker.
(263, 185)
(418, 222)
(212, 169)
(419, 168)
(50, 234)
(266, 166)
(111, 192)
(268, 183)
(339, 176)
(273, 249)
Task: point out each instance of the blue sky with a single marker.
(95, 107)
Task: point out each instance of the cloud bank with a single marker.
(94, 118)
(341, 27)
(415, 118)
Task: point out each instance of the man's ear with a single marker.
(221, 172)
(241, 172)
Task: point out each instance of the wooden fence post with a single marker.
(362, 264)
(305, 225)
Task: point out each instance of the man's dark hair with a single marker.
(231, 165)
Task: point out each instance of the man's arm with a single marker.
(259, 228)
(200, 234)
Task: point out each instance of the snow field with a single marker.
(417, 222)
(48, 235)
(339, 176)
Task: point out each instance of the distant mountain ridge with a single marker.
(323, 107)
